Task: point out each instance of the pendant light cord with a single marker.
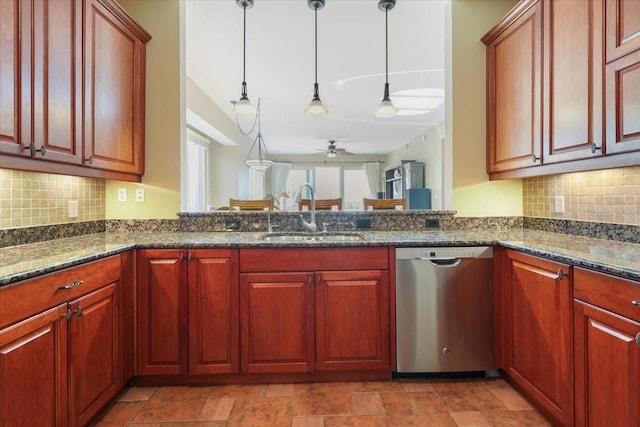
(316, 44)
(244, 51)
(386, 46)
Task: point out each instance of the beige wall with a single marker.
(473, 194)
(164, 115)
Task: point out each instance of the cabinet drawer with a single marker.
(608, 292)
(26, 298)
(297, 259)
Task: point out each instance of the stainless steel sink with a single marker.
(316, 237)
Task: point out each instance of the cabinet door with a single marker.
(352, 320)
(114, 92)
(573, 80)
(514, 93)
(56, 131)
(539, 358)
(162, 312)
(607, 368)
(95, 370)
(33, 371)
(276, 321)
(13, 16)
(623, 104)
(214, 339)
(40, 79)
(622, 28)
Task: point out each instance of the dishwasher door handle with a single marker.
(442, 262)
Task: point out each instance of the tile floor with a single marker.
(487, 402)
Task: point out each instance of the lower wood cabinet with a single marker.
(607, 353)
(187, 311)
(533, 319)
(296, 317)
(61, 364)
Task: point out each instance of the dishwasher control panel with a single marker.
(444, 252)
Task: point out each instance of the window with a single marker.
(197, 172)
(346, 181)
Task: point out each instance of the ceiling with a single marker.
(280, 68)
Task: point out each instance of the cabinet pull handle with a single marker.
(595, 148)
(181, 257)
(638, 339)
(72, 285)
(42, 150)
(560, 274)
(535, 158)
(89, 160)
(190, 257)
(78, 311)
(636, 303)
(31, 147)
(67, 315)
(310, 280)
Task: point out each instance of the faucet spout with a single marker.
(311, 226)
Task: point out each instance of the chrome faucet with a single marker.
(311, 226)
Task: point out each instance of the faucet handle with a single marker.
(324, 226)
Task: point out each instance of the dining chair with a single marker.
(251, 205)
(322, 204)
(376, 204)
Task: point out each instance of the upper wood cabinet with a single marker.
(89, 124)
(566, 105)
(114, 89)
(622, 27)
(573, 80)
(41, 80)
(514, 90)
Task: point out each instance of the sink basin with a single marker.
(317, 237)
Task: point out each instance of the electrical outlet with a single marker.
(558, 204)
(73, 209)
(139, 195)
(122, 194)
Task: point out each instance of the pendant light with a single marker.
(386, 107)
(316, 108)
(244, 107)
(262, 163)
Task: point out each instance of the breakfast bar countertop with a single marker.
(30, 260)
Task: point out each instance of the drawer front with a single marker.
(26, 298)
(303, 259)
(612, 293)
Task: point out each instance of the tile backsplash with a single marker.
(607, 196)
(30, 198)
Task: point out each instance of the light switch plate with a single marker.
(139, 195)
(73, 208)
(122, 194)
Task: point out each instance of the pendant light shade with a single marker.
(244, 107)
(386, 107)
(262, 162)
(316, 108)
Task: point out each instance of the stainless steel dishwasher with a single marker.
(444, 310)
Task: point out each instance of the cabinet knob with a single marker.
(89, 160)
(67, 314)
(595, 148)
(42, 150)
(535, 158)
(638, 339)
(31, 147)
(78, 311)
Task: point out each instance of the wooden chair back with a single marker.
(251, 205)
(383, 203)
(322, 204)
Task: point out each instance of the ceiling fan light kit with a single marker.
(244, 107)
(386, 107)
(316, 108)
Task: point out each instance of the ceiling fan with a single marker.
(332, 151)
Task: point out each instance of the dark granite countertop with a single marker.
(30, 260)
